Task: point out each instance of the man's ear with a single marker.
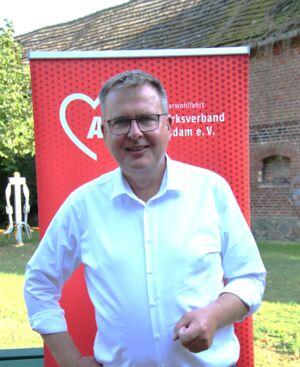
(169, 123)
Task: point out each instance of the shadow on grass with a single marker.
(282, 261)
(12, 258)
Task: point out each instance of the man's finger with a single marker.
(187, 334)
(180, 324)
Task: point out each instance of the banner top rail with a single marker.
(240, 50)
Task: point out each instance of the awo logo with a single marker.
(94, 129)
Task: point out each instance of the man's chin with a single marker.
(138, 166)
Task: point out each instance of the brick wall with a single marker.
(274, 130)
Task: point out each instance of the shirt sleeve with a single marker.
(244, 271)
(55, 259)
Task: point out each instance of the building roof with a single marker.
(156, 24)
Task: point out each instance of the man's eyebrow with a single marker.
(132, 118)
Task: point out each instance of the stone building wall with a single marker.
(275, 134)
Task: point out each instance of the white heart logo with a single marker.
(65, 125)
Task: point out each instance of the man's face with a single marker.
(137, 152)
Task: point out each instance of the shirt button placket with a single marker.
(151, 282)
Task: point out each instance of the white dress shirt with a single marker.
(147, 264)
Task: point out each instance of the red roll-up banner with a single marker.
(208, 101)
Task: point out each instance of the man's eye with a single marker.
(145, 119)
(121, 122)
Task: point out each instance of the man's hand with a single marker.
(87, 362)
(196, 330)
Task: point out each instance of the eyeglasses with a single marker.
(122, 125)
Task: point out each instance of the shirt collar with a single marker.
(173, 180)
(120, 186)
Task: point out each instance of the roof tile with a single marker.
(141, 24)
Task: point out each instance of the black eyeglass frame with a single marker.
(136, 119)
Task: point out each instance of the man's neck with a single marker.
(146, 186)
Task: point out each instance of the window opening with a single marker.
(276, 171)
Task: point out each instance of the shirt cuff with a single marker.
(250, 290)
(49, 321)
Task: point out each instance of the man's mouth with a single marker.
(137, 148)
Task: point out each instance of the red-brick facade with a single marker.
(275, 132)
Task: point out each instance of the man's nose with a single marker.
(134, 131)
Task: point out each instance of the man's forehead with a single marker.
(132, 90)
(131, 86)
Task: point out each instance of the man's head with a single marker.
(133, 78)
(135, 123)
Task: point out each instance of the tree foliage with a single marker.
(16, 119)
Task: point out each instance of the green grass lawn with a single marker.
(14, 325)
(276, 324)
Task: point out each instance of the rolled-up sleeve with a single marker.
(244, 271)
(55, 259)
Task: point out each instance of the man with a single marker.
(170, 262)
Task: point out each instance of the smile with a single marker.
(136, 148)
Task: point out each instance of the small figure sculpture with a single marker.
(19, 184)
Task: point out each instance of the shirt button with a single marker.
(153, 303)
(157, 336)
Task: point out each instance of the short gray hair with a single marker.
(133, 78)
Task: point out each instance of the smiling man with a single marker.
(137, 132)
(166, 288)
